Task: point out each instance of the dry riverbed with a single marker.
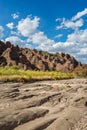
(44, 105)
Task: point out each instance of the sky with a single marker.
(48, 25)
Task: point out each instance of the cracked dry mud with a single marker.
(44, 105)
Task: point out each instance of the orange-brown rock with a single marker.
(36, 60)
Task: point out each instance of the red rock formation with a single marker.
(36, 60)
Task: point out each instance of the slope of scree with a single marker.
(36, 60)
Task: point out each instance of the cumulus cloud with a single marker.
(79, 14)
(83, 51)
(74, 25)
(78, 37)
(28, 26)
(75, 22)
(1, 31)
(10, 25)
(18, 41)
(15, 15)
(65, 24)
(15, 40)
(41, 40)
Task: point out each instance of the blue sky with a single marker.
(49, 25)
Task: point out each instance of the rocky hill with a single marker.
(36, 60)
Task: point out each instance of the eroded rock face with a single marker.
(36, 60)
(2, 61)
(44, 105)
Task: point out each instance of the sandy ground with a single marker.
(44, 105)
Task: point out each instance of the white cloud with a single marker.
(40, 38)
(58, 19)
(59, 35)
(15, 15)
(83, 51)
(74, 23)
(15, 40)
(78, 37)
(16, 33)
(70, 24)
(41, 41)
(59, 27)
(79, 14)
(28, 26)
(10, 25)
(1, 31)
(62, 21)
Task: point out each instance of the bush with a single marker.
(13, 73)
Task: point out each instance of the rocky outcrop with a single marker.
(36, 60)
(44, 105)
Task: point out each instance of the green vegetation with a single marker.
(13, 73)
